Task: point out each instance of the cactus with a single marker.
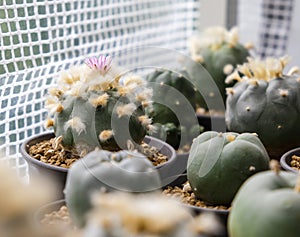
(168, 87)
(119, 214)
(219, 163)
(266, 101)
(104, 170)
(267, 204)
(126, 215)
(93, 105)
(218, 51)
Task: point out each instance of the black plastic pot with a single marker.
(59, 174)
(212, 122)
(286, 158)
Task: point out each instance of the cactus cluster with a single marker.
(219, 163)
(266, 101)
(218, 51)
(94, 105)
(173, 95)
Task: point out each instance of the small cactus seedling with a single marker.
(93, 105)
(218, 51)
(266, 101)
(219, 163)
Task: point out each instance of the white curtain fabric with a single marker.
(272, 26)
(38, 38)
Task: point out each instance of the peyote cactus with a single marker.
(219, 163)
(119, 214)
(104, 170)
(267, 102)
(93, 105)
(268, 204)
(219, 51)
(172, 90)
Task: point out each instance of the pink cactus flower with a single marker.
(102, 63)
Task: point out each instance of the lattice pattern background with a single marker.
(40, 37)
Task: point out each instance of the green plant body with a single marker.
(219, 163)
(168, 86)
(219, 52)
(107, 171)
(266, 101)
(93, 106)
(268, 204)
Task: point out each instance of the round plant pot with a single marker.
(46, 209)
(286, 158)
(59, 174)
(222, 215)
(212, 122)
(176, 171)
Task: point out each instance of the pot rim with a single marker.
(47, 135)
(283, 160)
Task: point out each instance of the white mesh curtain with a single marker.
(40, 37)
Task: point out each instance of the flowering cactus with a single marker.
(218, 51)
(266, 101)
(94, 105)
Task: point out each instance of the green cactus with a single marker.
(267, 102)
(104, 170)
(268, 204)
(94, 106)
(219, 52)
(219, 163)
(168, 86)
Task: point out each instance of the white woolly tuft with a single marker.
(145, 120)
(105, 135)
(126, 109)
(133, 79)
(144, 95)
(100, 100)
(76, 124)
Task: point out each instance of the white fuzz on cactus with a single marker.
(144, 215)
(90, 96)
(76, 124)
(213, 38)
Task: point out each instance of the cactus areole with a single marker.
(219, 163)
(267, 102)
(219, 51)
(107, 171)
(94, 106)
(268, 205)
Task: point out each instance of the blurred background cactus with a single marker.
(265, 100)
(166, 86)
(219, 52)
(19, 201)
(154, 215)
(94, 106)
